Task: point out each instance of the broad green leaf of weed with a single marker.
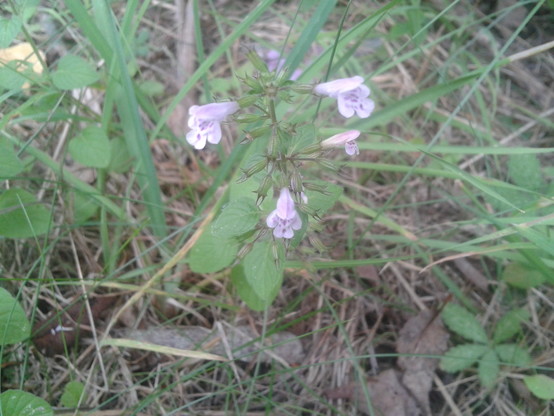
(525, 171)
(211, 253)
(72, 394)
(509, 325)
(120, 158)
(84, 207)
(462, 356)
(14, 326)
(262, 273)
(91, 148)
(10, 164)
(464, 323)
(74, 72)
(248, 188)
(488, 368)
(20, 403)
(9, 28)
(151, 88)
(245, 291)
(21, 215)
(10, 77)
(237, 217)
(305, 136)
(541, 386)
(522, 276)
(513, 354)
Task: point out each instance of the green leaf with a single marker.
(236, 218)
(152, 88)
(245, 291)
(21, 216)
(488, 369)
(211, 254)
(72, 394)
(10, 77)
(541, 386)
(91, 148)
(522, 276)
(74, 72)
(20, 403)
(84, 207)
(14, 326)
(513, 354)
(509, 325)
(461, 357)
(262, 274)
(248, 188)
(9, 28)
(525, 171)
(120, 158)
(10, 164)
(461, 321)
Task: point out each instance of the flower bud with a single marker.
(302, 88)
(254, 84)
(328, 164)
(244, 250)
(272, 147)
(258, 62)
(296, 183)
(247, 100)
(317, 188)
(311, 149)
(316, 243)
(255, 168)
(249, 118)
(259, 132)
(265, 186)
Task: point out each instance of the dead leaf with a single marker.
(387, 395)
(25, 53)
(423, 334)
(64, 329)
(283, 346)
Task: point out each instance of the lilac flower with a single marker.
(204, 122)
(284, 219)
(351, 96)
(347, 138)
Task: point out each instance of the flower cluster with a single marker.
(281, 167)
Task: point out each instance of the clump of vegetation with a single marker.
(203, 208)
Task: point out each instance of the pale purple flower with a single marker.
(351, 95)
(346, 139)
(284, 220)
(204, 122)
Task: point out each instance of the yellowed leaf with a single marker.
(24, 53)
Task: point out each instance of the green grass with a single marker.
(454, 167)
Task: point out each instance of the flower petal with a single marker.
(345, 106)
(214, 111)
(196, 139)
(365, 108)
(351, 148)
(333, 88)
(214, 134)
